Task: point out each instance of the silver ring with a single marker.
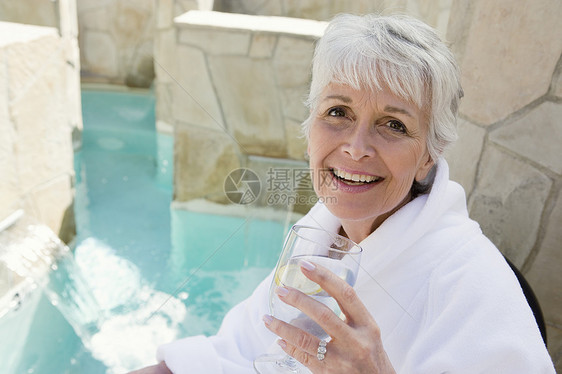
(321, 353)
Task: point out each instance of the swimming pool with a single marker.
(155, 272)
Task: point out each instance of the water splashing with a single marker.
(35, 254)
(102, 296)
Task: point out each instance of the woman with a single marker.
(434, 295)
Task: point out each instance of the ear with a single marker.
(424, 168)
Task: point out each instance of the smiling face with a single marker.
(366, 149)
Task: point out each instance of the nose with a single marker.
(357, 144)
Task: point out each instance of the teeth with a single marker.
(354, 177)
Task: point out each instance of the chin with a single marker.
(347, 211)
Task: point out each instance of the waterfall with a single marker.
(118, 316)
(31, 252)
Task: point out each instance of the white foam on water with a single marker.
(137, 317)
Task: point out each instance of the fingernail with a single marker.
(282, 343)
(307, 265)
(282, 291)
(267, 319)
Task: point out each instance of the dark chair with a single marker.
(531, 299)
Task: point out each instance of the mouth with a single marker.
(354, 179)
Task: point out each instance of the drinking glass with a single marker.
(303, 243)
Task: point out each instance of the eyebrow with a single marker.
(388, 108)
(392, 109)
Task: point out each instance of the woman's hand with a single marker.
(356, 345)
(161, 368)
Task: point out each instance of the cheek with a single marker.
(404, 161)
(318, 146)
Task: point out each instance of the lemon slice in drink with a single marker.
(290, 275)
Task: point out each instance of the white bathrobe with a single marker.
(442, 294)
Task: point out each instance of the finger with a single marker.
(352, 307)
(321, 314)
(305, 358)
(295, 336)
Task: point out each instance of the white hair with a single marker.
(398, 52)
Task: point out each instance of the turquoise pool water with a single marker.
(156, 273)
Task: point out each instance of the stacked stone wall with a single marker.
(36, 126)
(40, 111)
(508, 157)
(237, 95)
(116, 41)
(434, 12)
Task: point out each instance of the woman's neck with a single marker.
(358, 230)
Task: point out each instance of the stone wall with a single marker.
(116, 41)
(39, 110)
(508, 157)
(434, 12)
(164, 55)
(117, 37)
(236, 99)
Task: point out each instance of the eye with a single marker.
(336, 112)
(397, 126)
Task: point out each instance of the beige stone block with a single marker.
(464, 155)
(556, 87)
(164, 102)
(28, 56)
(262, 45)
(99, 54)
(509, 52)
(203, 158)
(73, 103)
(68, 18)
(214, 41)
(164, 14)
(72, 53)
(194, 99)
(89, 5)
(434, 12)
(293, 57)
(537, 135)
(165, 55)
(93, 19)
(230, 21)
(358, 7)
(32, 12)
(247, 92)
(5, 125)
(53, 203)
(544, 275)
(43, 141)
(508, 202)
(292, 102)
(310, 9)
(9, 183)
(296, 140)
(285, 184)
(131, 22)
(182, 6)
